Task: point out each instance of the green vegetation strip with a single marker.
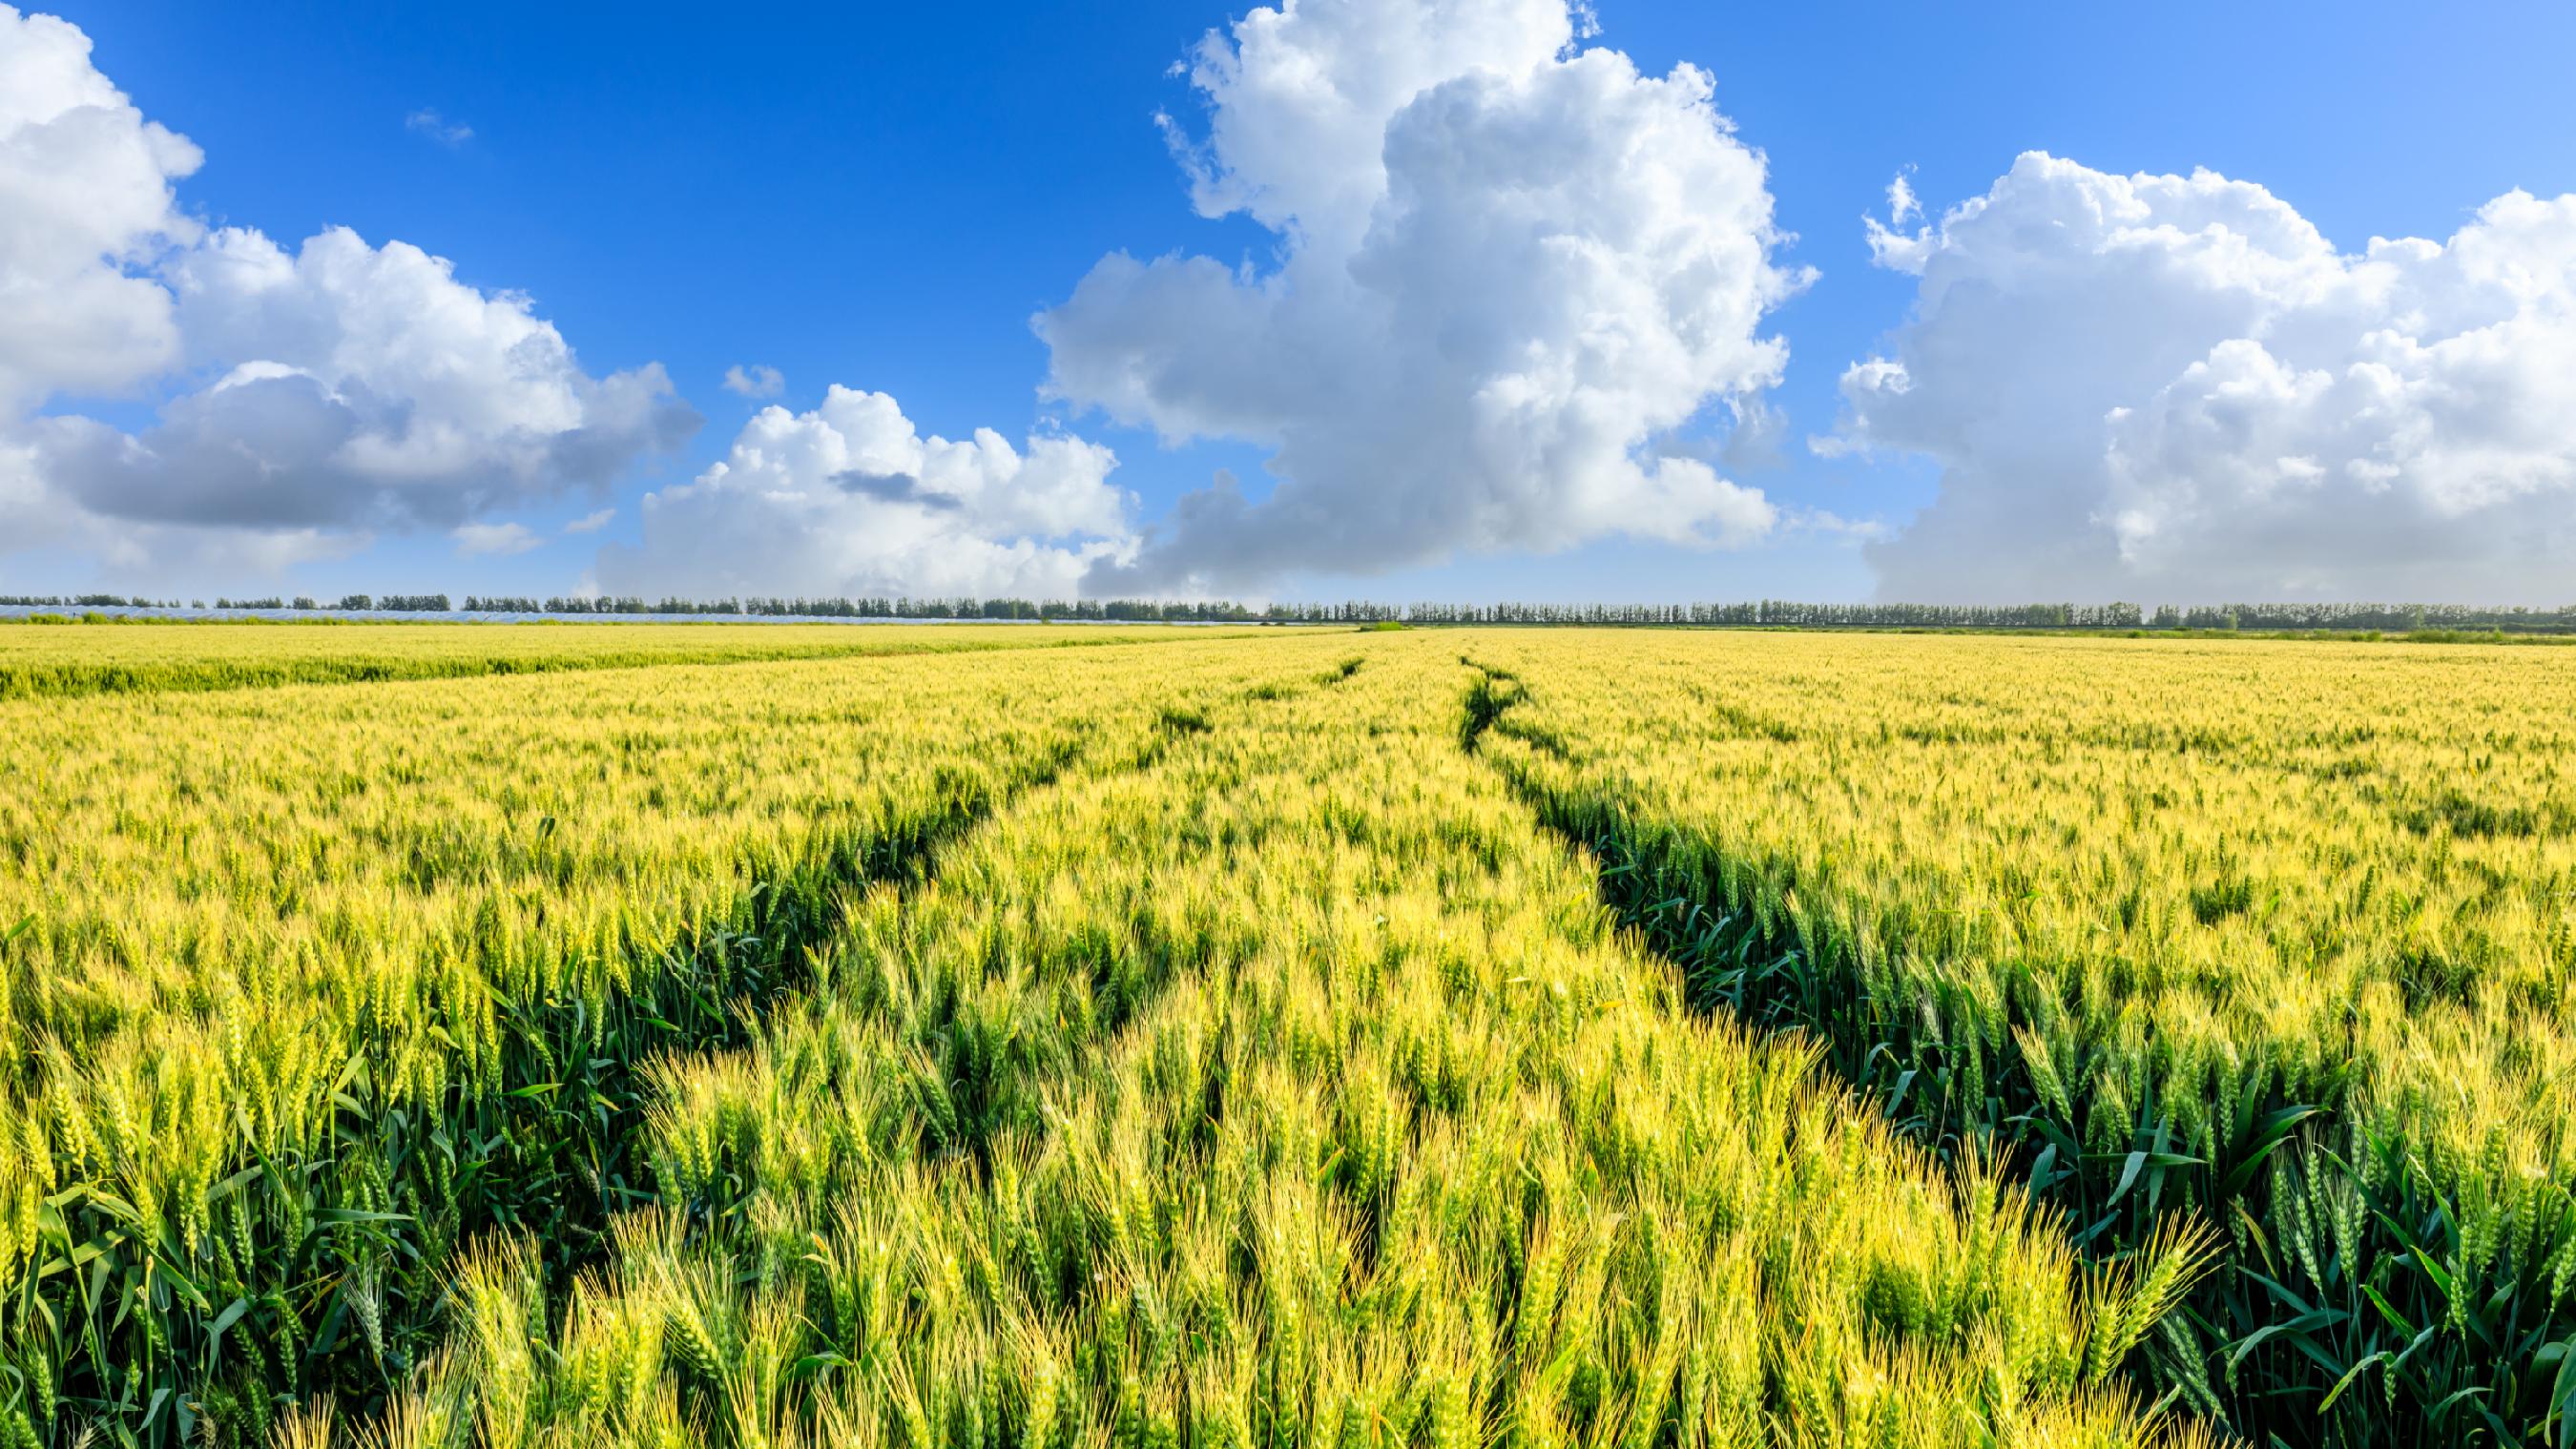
(91, 659)
(2368, 1292)
(326, 1274)
(1290, 1092)
(324, 1271)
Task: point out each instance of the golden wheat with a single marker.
(294, 967)
(1291, 1089)
(2284, 930)
(76, 659)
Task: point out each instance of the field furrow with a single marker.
(1292, 1089)
(1502, 1037)
(406, 1040)
(2282, 939)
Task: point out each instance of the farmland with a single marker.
(2280, 935)
(1313, 1037)
(71, 659)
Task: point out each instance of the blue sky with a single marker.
(882, 197)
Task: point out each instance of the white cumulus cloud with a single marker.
(849, 500)
(86, 200)
(2174, 387)
(591, 522)
(361, 387)
(308, 398)
(1511, 267)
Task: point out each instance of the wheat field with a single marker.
(2279, 934)
(1293, 1037)
(90, 658)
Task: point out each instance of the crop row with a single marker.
(309, 984)
(2284, 936)
(1293, 1089)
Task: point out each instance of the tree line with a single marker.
(1773, 613)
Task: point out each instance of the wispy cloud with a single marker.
(754, 380)
(493, 538)
(591, 522)
(430, 123)
(1833, 525)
